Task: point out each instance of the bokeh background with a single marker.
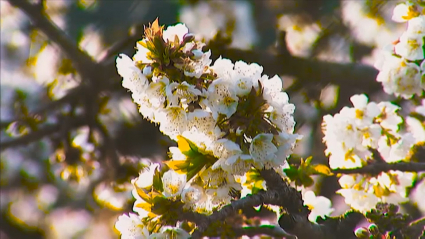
(69, 148)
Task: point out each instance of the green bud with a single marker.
(188, 37)
(362, 233)
(373, 229)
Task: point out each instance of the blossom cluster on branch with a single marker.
(402, 69)
(370, 132)
(226, 117)
(351, 137)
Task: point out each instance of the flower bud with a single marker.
(362, 233)
(188, 37)
(147, 71)
(373, 228)
(197, 54)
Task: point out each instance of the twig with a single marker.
(377, 168)
(135, 35)
(41, 133)
(416, 228)
(79, 58)
(270, 230)
(264, 197)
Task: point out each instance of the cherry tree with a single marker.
(229, 121)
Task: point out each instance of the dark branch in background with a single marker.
(108, 56)
(306, 71)
(43, 132)
(377, 168)
(79, 58)
(96, 76)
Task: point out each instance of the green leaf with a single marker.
(253, 175)
(141, 192)
(321, 169)
(196, 158)
(258, 185)
(305, 181)
(308, 161)
(161, 205)
(186, 146)
(146, 206)
(291, 172)
(157, 181)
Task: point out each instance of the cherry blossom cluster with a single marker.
(402, 70)
(226, 117)
(353, 135)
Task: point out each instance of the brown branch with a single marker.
(378, 167)
(43, 132)
(415, 228)
(294, 221)
(269, 230)
(264, 197)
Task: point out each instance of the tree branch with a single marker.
(270, 230)
(294, 221)
(416, 228)
(43, 132)
(378, 167)
(307, 71)
(263, 197)
(79, 58)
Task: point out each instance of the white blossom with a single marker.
(417, 129)
(320, 206)
(131, 227)
(400, 77)
(398, 151)
(364, 112)
(410, 46)
(389, 119)
(173, 121)
(403, 12)
(222, 98)
(133, 79)
(181, 92)
(145, 178)
(199, 66)
(262, 149)
(421, 108)
(171, 32)
(168, 232)
(194, 197)
(142, 53)
(359, 199)
(157, 93)
(416, 25)
(173, 183)
(419, 195)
